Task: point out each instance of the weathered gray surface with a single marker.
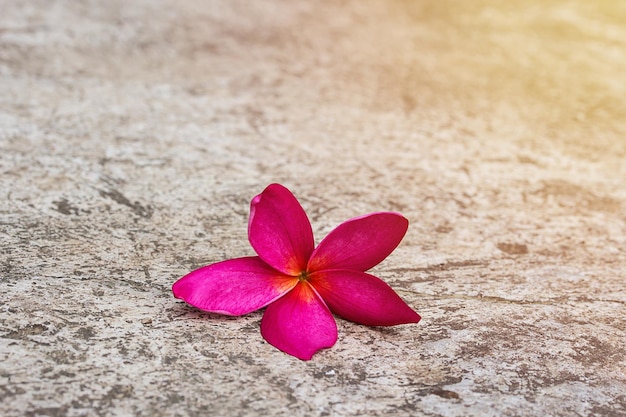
(134, 135)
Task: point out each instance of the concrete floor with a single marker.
(134, 135)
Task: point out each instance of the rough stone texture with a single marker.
(134, 134)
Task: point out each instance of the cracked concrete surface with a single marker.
(134, 135)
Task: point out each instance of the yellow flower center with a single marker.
(303, 277)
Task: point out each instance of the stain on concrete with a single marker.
(513, 248)
(137, 207)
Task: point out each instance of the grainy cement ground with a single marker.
(134, 134)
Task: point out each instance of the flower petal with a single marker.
(359, 243)
(279, 230)
(362, 298)
(234, 287)
(299, 323)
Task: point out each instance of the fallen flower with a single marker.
(300, 284)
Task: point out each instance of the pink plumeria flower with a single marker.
(299, 284)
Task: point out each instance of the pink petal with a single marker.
(279, 230)
(362, 298)
(234, 287)
(360, 243)
(299, 323)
